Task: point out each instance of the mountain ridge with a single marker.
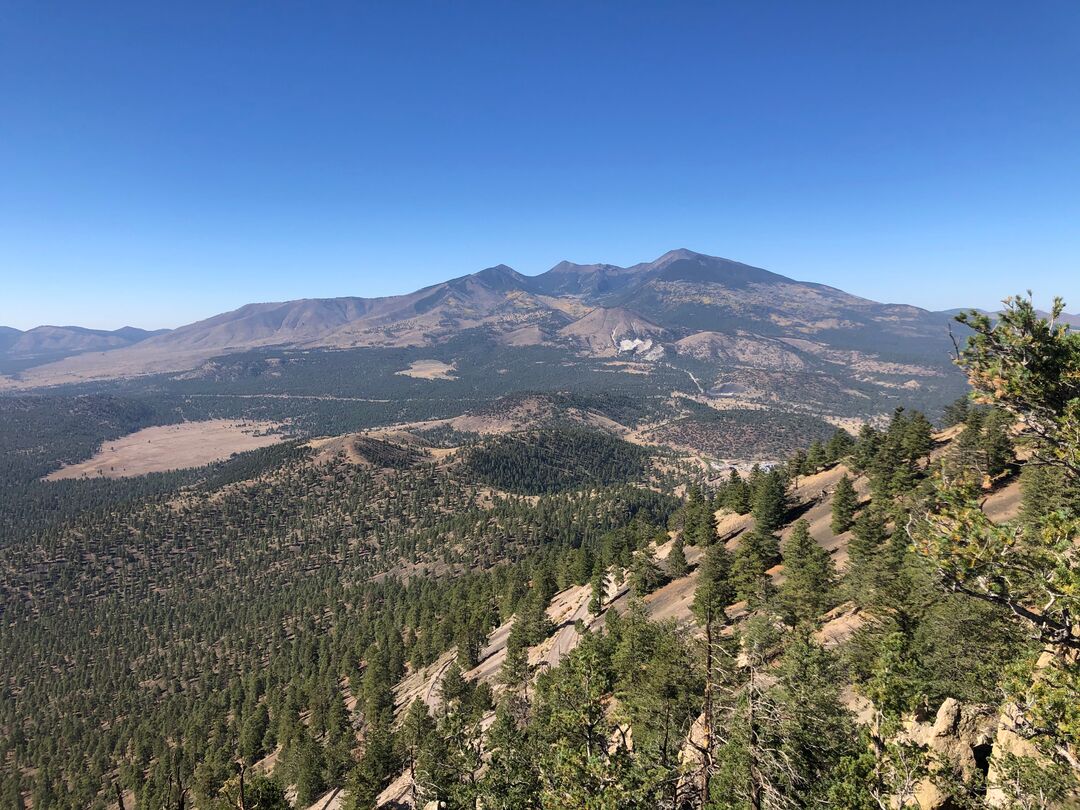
(641, 311)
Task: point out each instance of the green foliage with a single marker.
(809, 588)
(844, 505)
(677, 567)
(697, 517)
(714, 591)
(956, 412)
(213, 624)
(736, 495)
(580, 765)
(756, 553)
(770, 503)
(646, 575)
(598, 587)
(554, 460)
(260, 793)
(1029, 366)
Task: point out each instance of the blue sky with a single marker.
(161, 162)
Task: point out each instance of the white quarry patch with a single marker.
(634, 344)
(643, 348)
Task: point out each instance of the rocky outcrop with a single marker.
(959, 740)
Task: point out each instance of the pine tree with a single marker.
(453, 685)
(714, 590)
(584, 564)
(796, 465)
(1044, 490)
(918, 437)
(840, 444)
(306, 763)
(736, 494)
(515, 672)
(997, 447)
(1028, 365)
(599, 591)
(866, 448)
(956, 412)
(699, 524)
(770, 503)
(645, 574)
(844, 504)
(416, 729)
(815, 732)
(378, 763)
(587, 761)
(532, 620)
(512, 780)
(756, 554)
(869, 536)
(676, 559)
(809, 576)
(256, 724)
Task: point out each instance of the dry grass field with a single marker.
(429, 370)
(171, 447)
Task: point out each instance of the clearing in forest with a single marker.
(429, 370)
(171, 447)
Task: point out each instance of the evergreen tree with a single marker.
(866, 448)
(736, 496)
(453, 685)
(816, 457)
(956, 413)
(809, 576)
(756, 554)
(840, 444)
(918, 437)
(416, 730)
(599, 591)
(512, 780)
(306, 766)
(378, 764)
(585, 760)
(714, 590)
(256, 724)
(515, 672)
(676, 559)
(770, 503)
(844, 504)
(997, 446)
(713, 594)
(870, 534)
(815, 732)
(645, 574)
(1029, 366)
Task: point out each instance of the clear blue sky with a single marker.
(161, 162)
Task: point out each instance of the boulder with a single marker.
(961, 739)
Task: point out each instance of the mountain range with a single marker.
(45, 344)
(683, 303)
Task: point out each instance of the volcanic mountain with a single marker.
(683, 304)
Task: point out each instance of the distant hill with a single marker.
(45, 344)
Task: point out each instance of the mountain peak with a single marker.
(683, 253)
(688, 266)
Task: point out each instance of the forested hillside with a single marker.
(557, 618)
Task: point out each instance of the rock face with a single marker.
(1006, 741)
(961, 738)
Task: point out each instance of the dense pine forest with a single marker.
(557, 617)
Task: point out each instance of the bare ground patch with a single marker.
(171, 447)
(429, 370)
